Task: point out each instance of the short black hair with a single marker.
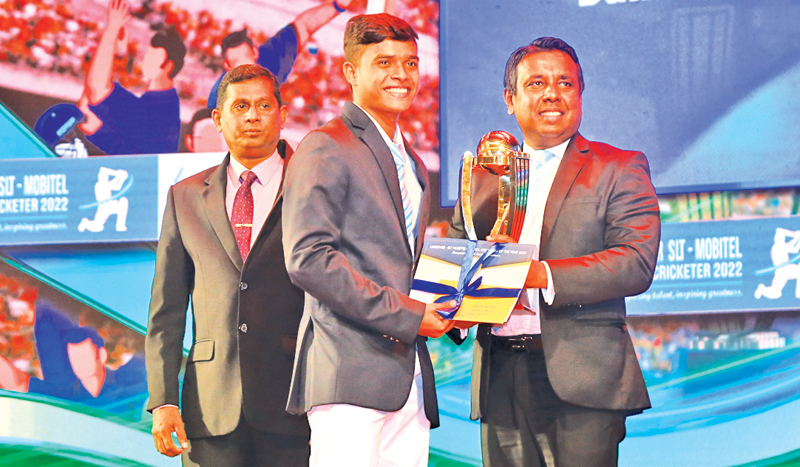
(81, 333)
(541, 44)
(201, 114)
(246, 73)
(172, 42)
(235, 39)
(364, 30)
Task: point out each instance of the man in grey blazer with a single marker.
(221, 246)
(355, 211)
(561, 374)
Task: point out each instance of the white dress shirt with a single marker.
(527, 320)
(413, 188)
(265, 189)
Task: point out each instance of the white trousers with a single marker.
(352, 436)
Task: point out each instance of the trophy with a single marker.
(496, 178)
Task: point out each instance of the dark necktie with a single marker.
(242, 215)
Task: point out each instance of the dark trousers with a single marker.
(527, 425)
(247, 447)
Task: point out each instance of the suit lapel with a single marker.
(369, 134)
(213, 200)
(285, 151)
(575, 158)
(424, 209)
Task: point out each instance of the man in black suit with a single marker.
(561, 374)
(221, 246)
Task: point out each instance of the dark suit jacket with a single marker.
(600, 237)
(227, 368)
(346, 246)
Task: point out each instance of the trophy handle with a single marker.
(521, 171)
(512, 198)
(467, 163)
(505, 201)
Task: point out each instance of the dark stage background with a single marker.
(706, 89)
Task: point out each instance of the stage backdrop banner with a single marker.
(90, 200)
(724, 266)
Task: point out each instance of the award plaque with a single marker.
(494, 187)
(484, 278)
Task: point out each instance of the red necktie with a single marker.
(242, 215)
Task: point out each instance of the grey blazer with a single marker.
(346, 246)
(600, 237)
(231, 369)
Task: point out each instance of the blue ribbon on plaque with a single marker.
(466, 287)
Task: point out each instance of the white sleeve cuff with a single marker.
(165, 405)
(549, 294)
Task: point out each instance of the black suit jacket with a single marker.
(600, 237)
(227, 367)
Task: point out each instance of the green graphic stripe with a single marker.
(56, 456)
(77, 296)
(144, 425)
(436, 460)
(122, 319)
(26, 131)
(728, 366)
(789, 459)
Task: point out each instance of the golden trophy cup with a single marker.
(497, 178)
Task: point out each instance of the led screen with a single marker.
(705, 89)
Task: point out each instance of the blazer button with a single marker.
(243, 328)
(242, 285)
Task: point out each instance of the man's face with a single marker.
(154, 57)
(251, 120)
(242, 54)
(205, 137)
(86, 359)
(385, 79)
(547, 103)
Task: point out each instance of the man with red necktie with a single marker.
(221, 246)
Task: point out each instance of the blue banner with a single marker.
(78, 200)
(90, 200)
(724, 266)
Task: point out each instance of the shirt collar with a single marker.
(398, 135)
(264, 170)
(557, 151)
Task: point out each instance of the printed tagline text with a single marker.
(35, 227)
(688, 295)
